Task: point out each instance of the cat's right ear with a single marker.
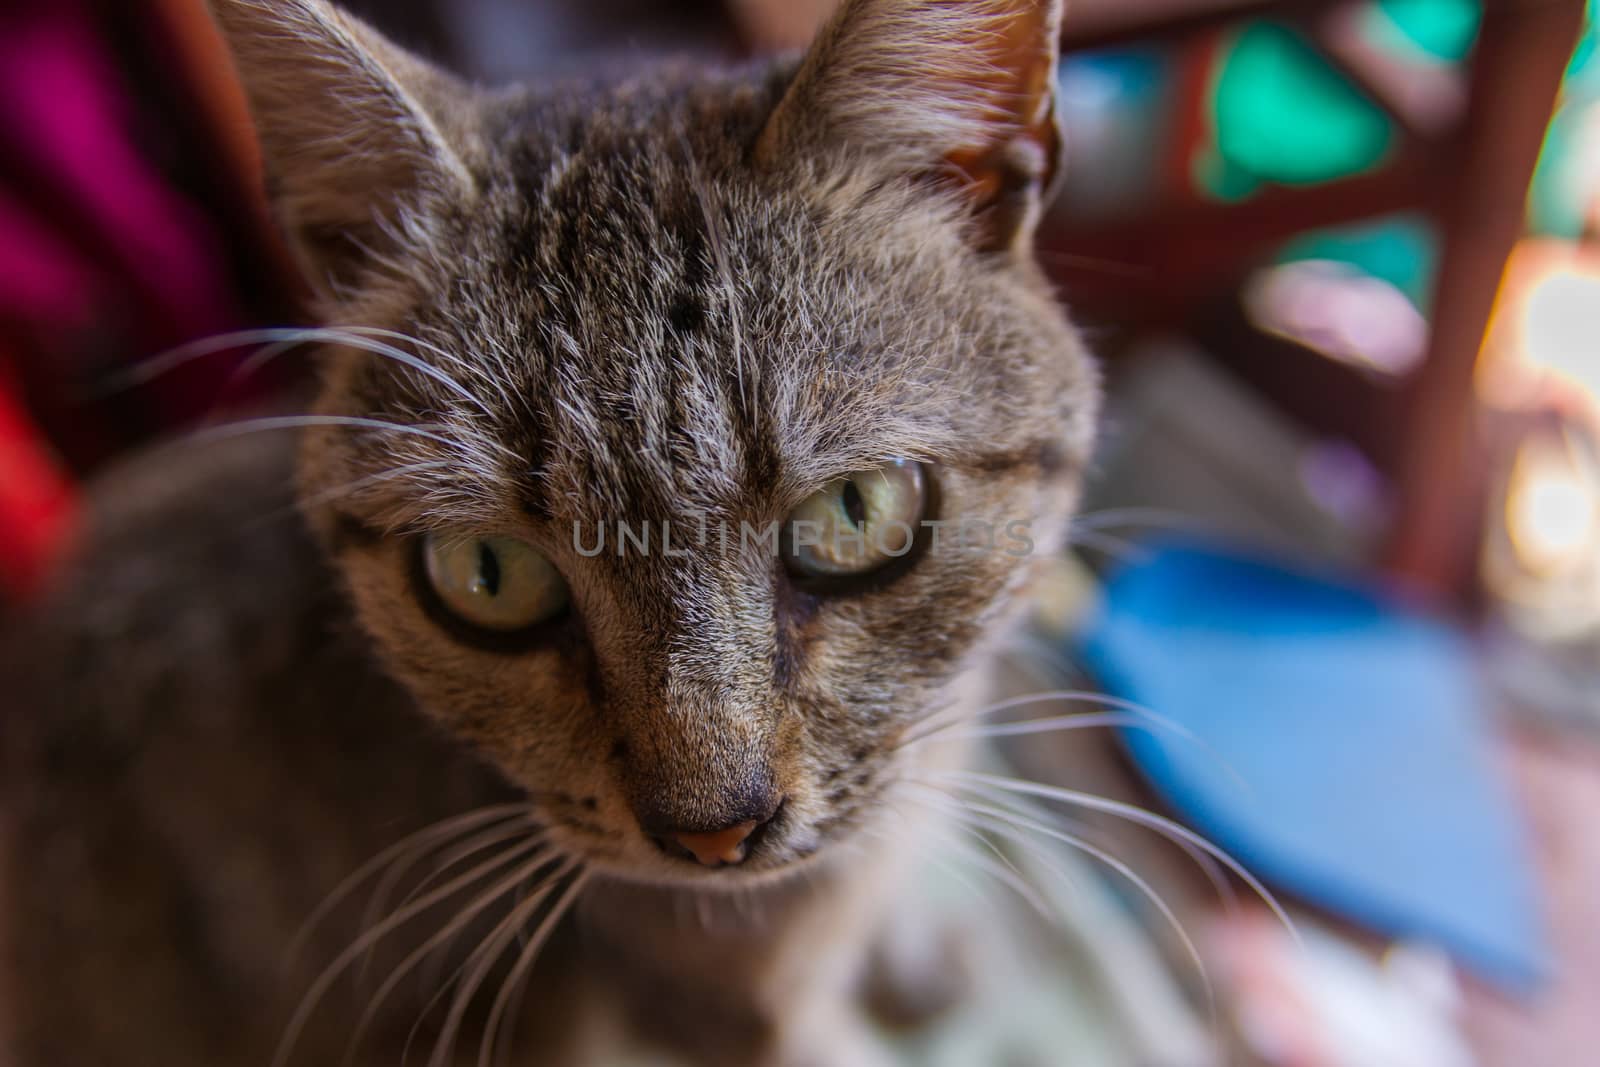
(354, 135)
(959, 94)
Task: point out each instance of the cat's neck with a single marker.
(729, 973)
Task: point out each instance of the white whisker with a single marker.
(443, 829)
(1118, 548)
(1134, 516)
(444, 934)
(340, 492)
(275, 342)
(482, 962)
(1209, 867)
(1014, 824)
(298, 422)
(396, 335)
(378, 905)
(1053, 724)
(320, 986)
(147, 370)
(510, 989)
(999, 867)
(1162, 825)
(1148, 720)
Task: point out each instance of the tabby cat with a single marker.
(448, 718)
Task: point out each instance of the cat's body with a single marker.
(723, 296)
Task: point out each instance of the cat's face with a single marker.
(700, 308)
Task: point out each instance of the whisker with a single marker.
(340, 492)
(1045, 654)
(1162, 825)
(1091, 720)
(378, 905)
(444, 934)
(566, 866)
(1208, 866)
(486, 955)
(320, 986)
(481, 373)
(396, 335)
(147, 370)
(1148, 517)
(1156, 720)
(1096, 263)
(297, 422)
(999, 867)
(445, 828)
(1013, 825)
(277, 342)
(511, 988)
(1087, 720)
(1118, 548)
(924, 852)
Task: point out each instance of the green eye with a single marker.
(858, 524)
(493, 583)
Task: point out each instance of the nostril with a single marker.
(729, 846)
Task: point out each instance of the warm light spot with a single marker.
(1552, 508)
(1561, 328)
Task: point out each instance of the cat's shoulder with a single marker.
(184, 530)
(190, 577)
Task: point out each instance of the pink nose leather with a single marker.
(723, 846)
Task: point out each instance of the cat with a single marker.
(653, 796)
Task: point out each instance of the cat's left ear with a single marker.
(959, 92)
(357, 138)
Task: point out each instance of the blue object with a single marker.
(1368, 786)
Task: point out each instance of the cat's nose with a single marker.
(725, 847)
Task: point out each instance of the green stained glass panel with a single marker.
(1440, 29)
(1282, 114)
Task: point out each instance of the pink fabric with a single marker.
(40, 276)
(102, 262)
(65, 120)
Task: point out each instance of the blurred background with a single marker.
(1342, 261)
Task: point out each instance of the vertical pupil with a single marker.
(488, 570)
(855, 508)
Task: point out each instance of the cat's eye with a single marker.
(497, 584)
(857, 525)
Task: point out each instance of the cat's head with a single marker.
(696, 302)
